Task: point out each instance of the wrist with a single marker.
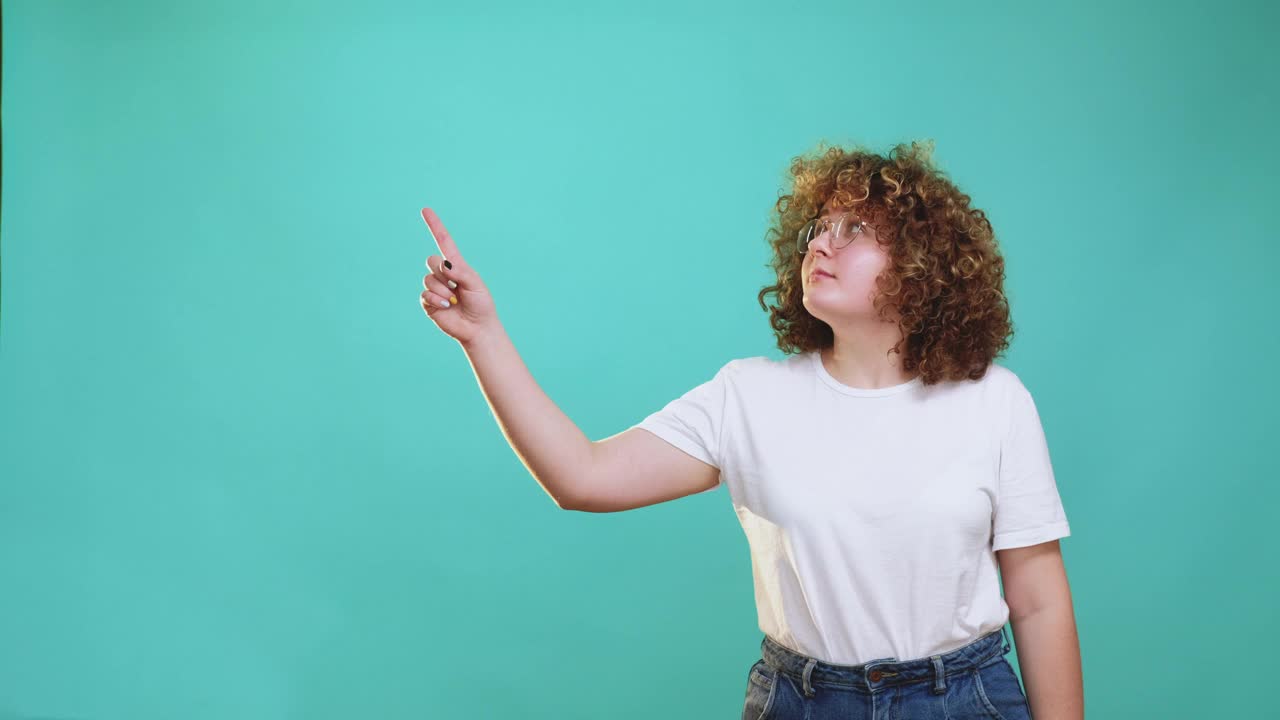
(485, 338)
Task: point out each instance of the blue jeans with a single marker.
(970, 682)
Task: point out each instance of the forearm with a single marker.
(1049, 658)
(551, 446)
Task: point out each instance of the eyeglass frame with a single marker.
(839, 224)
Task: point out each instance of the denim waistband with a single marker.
(884, 672)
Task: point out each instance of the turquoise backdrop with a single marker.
(244, 476)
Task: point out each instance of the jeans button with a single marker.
(875, 676)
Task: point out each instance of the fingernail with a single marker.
(448, 265)
(444, 303)
(452, 285)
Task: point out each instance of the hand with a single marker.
(473, 313)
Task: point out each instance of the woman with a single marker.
(883, 472)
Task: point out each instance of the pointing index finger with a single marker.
(441, 236)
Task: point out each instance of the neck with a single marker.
(862, 359)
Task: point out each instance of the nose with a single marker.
(821, 242)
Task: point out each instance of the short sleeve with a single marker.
(1028, 507)
(694, 422)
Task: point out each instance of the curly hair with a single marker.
(945, 274)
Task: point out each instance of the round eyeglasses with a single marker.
(843, 230)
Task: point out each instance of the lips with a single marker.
(819, 273)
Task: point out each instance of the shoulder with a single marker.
(766, 369)
(1000, 394)
(739, 372)
(1012, 400)
(760, 377)
(1004, 381)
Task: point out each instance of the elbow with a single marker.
(578, 507)
(567, 502)
(584, 506)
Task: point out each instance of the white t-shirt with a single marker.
(873, 516)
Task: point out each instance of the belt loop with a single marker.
(808, 669)
(1005, 636)
(939, 676)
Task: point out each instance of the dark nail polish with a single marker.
(448, 265)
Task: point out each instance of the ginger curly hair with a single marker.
(945, 274)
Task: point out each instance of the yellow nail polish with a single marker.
(453, 300)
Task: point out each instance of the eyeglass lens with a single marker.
(846, 229)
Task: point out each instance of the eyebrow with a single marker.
(839, 213)
(861, 217)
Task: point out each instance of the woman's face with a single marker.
(850, 293)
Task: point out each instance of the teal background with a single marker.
(244, 476)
